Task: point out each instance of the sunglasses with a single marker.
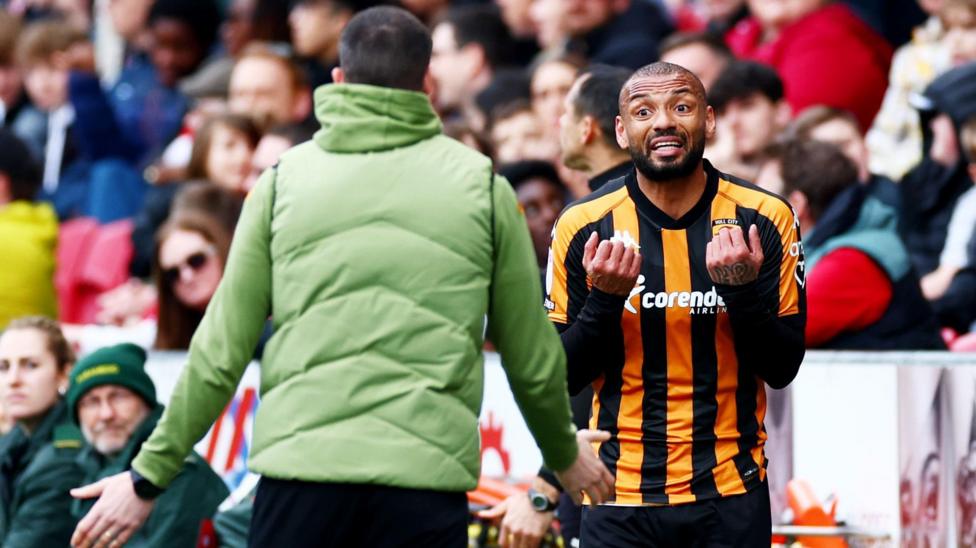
(194, 262)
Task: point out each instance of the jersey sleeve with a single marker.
(566, 282)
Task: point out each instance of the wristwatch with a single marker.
(540, 502)
(145, 489)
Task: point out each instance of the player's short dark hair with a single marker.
(598, 95)
(521, 172)
(663, 68)
(481, 25)
(818, 170)
(385, 46)
(742, 79)
(19, 166)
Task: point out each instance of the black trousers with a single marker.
(737, 521)
(299, 514)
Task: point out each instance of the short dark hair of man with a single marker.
(598, 96)
(481, 25)
(526, 170)
(18, 165)
(820, 171)
(385, 46)
(742, 79)
(710, 40)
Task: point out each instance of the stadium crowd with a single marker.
(133, 131)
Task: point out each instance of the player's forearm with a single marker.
(771, 346)
(591, 340)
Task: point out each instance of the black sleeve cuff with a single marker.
(145, 489)
(549, 477)
(604, 306)
(746, 300)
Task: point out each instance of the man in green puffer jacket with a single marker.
(378, 249)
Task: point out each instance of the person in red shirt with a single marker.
(823, 52)
(862, 292)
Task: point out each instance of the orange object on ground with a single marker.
(809, 511)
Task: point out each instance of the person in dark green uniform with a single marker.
(114, 402)
(38, 456)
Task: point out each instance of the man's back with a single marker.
(381, 263)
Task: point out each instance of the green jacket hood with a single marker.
(362, 118)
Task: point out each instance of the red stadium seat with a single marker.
(91, 259)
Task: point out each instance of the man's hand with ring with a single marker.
(115, 517)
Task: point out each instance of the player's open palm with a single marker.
(612, 266)
(730, 261)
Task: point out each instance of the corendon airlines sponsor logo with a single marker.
(698, 302)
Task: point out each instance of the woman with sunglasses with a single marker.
(191, 249)
(38, 456)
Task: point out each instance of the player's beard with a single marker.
(670, 171)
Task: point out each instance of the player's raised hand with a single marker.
(730, 261)
(612, 267)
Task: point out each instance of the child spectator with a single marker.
(45, 54)
(12, 98)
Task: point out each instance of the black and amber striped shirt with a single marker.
(678, 378)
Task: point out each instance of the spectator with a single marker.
(821, 50)
(38, 457)
(587, 128)
(315, 29)
(507, 86)
(517, 17)
(272, 144)
(517, 134)
(839, 128)
(12, 98)
(144, 109)
(270, 87)
(550, 83)
(44, 54)
(862, 292)
(549, 18)
(961, 224)
(955, 303)
(932, 188)
(895, 138)
(751, 110)
(190, 255)
(29, 234)
(470, 43)
(113, 400)
(713, 16)
(622, 33)
(541, 196)
(459, 131)
(705, 54)
(222, 153)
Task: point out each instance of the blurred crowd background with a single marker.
(132, 131)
